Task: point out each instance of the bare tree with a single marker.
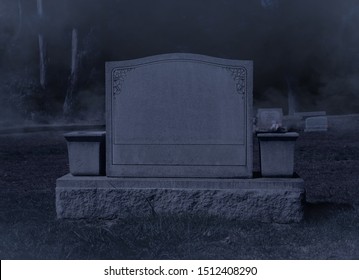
(292, 98)
(73, 80)
(42, 48)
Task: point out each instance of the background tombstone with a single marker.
(268, 118)
(305, 115)
(316, 124)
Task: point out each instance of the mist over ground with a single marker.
(309, 47)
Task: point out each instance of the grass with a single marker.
(30, 164)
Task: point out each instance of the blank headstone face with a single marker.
(266, 118)
(316, 124)
(179, 115)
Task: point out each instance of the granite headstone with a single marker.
(179, 115)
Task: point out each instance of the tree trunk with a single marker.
(19, 26)
(69, 103)
(292, 103)
(42, 48)
(42, 52)
(74, 47)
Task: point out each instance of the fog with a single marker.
(309, 47)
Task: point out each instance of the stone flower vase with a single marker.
(277, 153)
(86, 151)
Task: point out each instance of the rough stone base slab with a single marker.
(262, 199)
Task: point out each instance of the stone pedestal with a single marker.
(258, 199)
(277, 153)
(86, 152)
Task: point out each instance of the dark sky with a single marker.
(311, 46)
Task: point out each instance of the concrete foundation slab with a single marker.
(261, 199)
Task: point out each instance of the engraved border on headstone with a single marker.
(176, 146)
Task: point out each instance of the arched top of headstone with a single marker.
(238, 69)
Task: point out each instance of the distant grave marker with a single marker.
(269, 119)
(310, 114)
(316, 124)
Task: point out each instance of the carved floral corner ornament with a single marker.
(239, 75)
(118, 77)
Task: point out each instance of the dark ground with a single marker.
(31, 162)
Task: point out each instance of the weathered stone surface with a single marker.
(262, 199)
(277, 153)
(179, 115)
(316, 124)
(86, 150)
